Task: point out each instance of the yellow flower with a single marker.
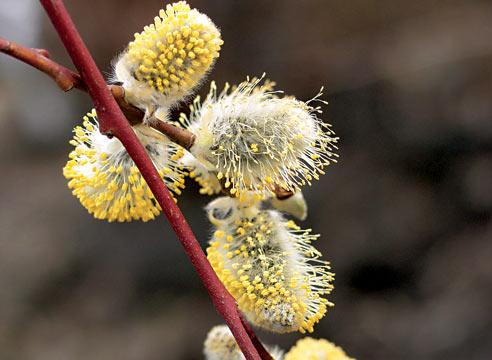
(169, 58)
(105, 179)
(254, 139)
(269, 266)
(313, 349)
(221, 345)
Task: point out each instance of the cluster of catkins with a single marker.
(253, 145)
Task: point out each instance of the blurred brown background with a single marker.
(405, 217)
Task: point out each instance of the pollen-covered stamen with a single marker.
(221, 345)
(269, 266)
(105, 179)
(316, 349)
(209, 184)
(169, 57)
(256, 140)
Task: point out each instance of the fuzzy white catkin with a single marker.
(255, 140)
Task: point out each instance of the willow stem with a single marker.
(39, 58)
(112, 121)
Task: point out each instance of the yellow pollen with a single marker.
(316, 349)
(107, 183)
(157, 54)
(265, 263)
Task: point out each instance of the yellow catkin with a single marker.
(269, 266)
(169, 57)
(316, 349)
(105, 179)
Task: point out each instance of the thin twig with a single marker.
(112, 121)
(67, 80)
(39, 58)
(178, 135)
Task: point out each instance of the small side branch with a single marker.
(39, 58)
(67, 80)
(178, 135)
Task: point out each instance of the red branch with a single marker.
(256, 342)
(113, 122)
(39, 58)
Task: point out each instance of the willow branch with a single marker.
(66, 79)
(112, 121)
(39, 58)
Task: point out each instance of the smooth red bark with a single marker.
(113, 123)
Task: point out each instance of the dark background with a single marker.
(405, 216)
